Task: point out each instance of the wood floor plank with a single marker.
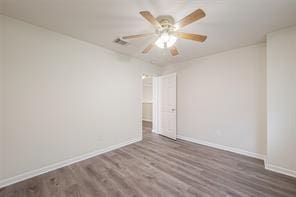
(158, 166)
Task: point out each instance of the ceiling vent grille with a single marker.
(120, 41)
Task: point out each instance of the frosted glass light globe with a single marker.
(165, 40)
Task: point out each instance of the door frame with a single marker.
(155, 108)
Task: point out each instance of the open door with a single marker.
(167, 106)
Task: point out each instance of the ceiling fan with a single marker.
(167, 30)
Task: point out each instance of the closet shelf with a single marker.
(144, 102)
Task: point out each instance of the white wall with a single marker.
(64, 97)
(281, 97)
(147, 99)
(221, 99)
(147, 112)
(147, 89)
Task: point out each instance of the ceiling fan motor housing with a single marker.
(166, 22)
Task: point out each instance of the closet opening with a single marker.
(147, 103)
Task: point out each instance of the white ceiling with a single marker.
(229, 24)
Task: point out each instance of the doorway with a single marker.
(159, 110)
(147, 103)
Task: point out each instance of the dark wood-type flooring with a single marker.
(158, 166)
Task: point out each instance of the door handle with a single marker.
(173, 110)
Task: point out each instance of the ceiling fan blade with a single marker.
(149, 17)
(173, 50)
(137, 36)
(189, 36)
(194, 16)
(148, 48)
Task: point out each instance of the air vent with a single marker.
(120, 41)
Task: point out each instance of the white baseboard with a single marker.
(33, 173)
(267, 166)
(222, 147)
(280, 170)
(155, 131)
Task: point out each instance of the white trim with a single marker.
(267, 166)
(33, 173)
(222, 147)
(155, 104)
(280, 170)
(154, 131)
(147, 120)
(147, 102)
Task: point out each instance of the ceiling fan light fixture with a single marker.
(166, 30)
(165, 40)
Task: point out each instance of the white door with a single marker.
(167, 105)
